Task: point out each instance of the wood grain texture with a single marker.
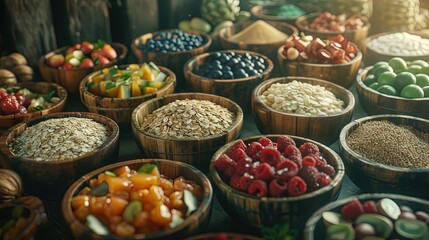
(267, 211)
(194, 223)
(194, 151)
(372, 176)
(377, 103)
(50, 179)
(238, 90)
(324, 129)
(120, 109)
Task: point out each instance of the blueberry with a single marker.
(216, 62)
(163, 51)
(216, 55)
(216, 74)
(240, 73)
(233, 61)
(228, 75)
(227, 68)
(217, 67)
(224, 59)
(247, 56)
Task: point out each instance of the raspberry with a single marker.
(239, 144)
(243, 165)
(9, 105)
(236, 153)
(234, 181)
(264, 172)
(286, 169)
(283, 142)
(323, 180)
(22, 110)
(270, 155)
(254, 149)
(296, 186)
(20, 98)
(296, 159)
(258, 188)
(229, 172)
(310, 175)
(291, 150)
(320, 162)
(329, 170)
(352, 210)
(277, 188)
(223, 162)
(244, 182)
(309, 161)
(264, 141)
(370, 206)
(3, 94)
(308, 148)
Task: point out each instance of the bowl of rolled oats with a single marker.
(186, 127)
(50, 152)
(301, 106)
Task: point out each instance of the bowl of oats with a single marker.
(50, 152)
(301, 106)
(186, 127)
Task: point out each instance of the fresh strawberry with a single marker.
(56, 60)
(9, 105)
(86, 63)
(370, 206)
(3, 94)
(108, 51)
(87, 47)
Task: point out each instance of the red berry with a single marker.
(239, 144)
(244, 182)
(236, 154)
(328, 169)
(323, 180)
(296, 159)
(296, 186)
(9, 105)
(19, 98)
(27, 102)
(22, 110)
(258, 188)
(320, 162)
(3, 94)
(370, 206)
(243, 165)
(309, 161)
(286, 169)
(277, 188)
(308, 148)
(223, 162)
(283, 142)
(352, 210)
(291, 150)
(264, 172)
(254, 149)
(265, 141)
(310, 175)
(229, 172)
(270, 155)
(234, 181)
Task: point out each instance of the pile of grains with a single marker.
(59, 139)
(188, 119)
(301, 98)
(390, 144)
(400, 44)
(259, 32)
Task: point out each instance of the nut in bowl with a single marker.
(396, 161)
(264, 180)
(50, 152)
(116, 91)
(149, 199)
(306, 107)
(232, 74)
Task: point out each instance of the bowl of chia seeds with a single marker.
(387, 153)
(50, 152)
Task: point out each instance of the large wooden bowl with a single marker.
(267, 211)
(194, 223)
(341, 74)
(357, 36)
(194, 151)
(315, 228)
(50, 179)
(70, 78)
(375, 102)
(262, 12)
(239, 90)
(324, 129)
(8, 121)
(372, 176)
(120, 109)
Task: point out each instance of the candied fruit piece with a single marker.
(144, 180)
(160, 215)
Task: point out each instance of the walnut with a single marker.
(10, 185)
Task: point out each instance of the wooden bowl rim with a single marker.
(203, 206)
(205, 36)
(258, 11)
(350, 106)
(267, 70)
(236, 123)
(217, 180)
(32, 221)
(372, 37)
(372, 163)
(106, 144)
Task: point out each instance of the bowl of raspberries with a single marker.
(264, 180)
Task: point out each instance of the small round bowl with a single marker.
(315, 228)
(50, 179)
(70, 78)
(8, 121)
(375, 102)
(357, 36)
(324, 129)
(239, 90)
(194, 223)
(221, 235)
(120, 109)
(262, 12)
(267, 211)
(372, 176)
(194, 151)
(341, 74)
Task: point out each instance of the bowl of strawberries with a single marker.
(264, 180)
(68, 65)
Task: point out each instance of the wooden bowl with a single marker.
(120, 109)
(315, 228)
(217, 236)
(375, 102)
(70, 78)
(194, 151)
(8, 121)
(238, 90)
(341, 74)
(357, 36)
(194, 223)
(262, 12)
(267, 211)
(324, 129)
(372, 176)
(172, 60)
(50, 179)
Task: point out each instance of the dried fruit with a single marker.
(10, 185)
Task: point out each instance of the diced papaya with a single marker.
(123, 171)
(148, 90)
(81, 213)
(114, 206)
(156, 84)
(116, 184)
(93, 88)
(124, 91)
(96, 205)
(135, 90)
(97, 78)
(144, 180)
(147, 73)
(155, 193)
(80, 201)
(112, 92)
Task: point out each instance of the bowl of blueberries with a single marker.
(232, 74)
(170, 48)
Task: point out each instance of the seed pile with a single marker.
(59, 139)
(390, 144)
(301, 98)
(188, 119)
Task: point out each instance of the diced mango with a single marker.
(147, 73)
(133, 67)
(94, 88)
(97, 78)
(112, 92)
(144, 180)
(124, 91)
(148, 90)
(156, 85)
(161, 215)
(114, 206)
(116, 184)
(135, 90)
